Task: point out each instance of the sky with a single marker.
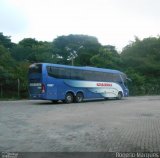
(113, 22)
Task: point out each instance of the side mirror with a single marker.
(129, 79)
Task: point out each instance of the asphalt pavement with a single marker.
(128, 125)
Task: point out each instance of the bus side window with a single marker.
(67, 73)
(50, 71)
(117, 78)
(79, 74)
(87, 75)
(74, 74)
(108, 77)
(98, 76)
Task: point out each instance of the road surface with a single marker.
(128, 125)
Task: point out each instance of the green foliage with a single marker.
(83, 59)
(7, 71)
(70, 47)
(20, 53)
(139, 60)
(143, 57)
(137, 84)
(33, 51)
(5, 41)
(28, 42)
(107, 58)
(6, 63)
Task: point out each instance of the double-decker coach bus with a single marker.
(74, 84)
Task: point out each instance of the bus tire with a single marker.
(119, 96)
(79, 97)
(69, 98)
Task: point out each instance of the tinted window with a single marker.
(100, 76)
(88, 75)
(58, 72)
(65, 73)
(116, 78)
(35, 68)
(76, 74)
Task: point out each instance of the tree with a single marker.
(73, 47)
(107, 58)
(28, 42)
(7, 70)
(24, 50)
(33, 51)
(143, 57)
(21, 75)
(5, 41)
(6, 63)
(44, 53)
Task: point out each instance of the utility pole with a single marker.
(18, 87)
(72, 58)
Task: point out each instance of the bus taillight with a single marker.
(43, 88)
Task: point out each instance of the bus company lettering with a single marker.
(104, 84)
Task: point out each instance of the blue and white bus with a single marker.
(74, 84)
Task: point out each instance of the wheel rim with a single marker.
(79, 98)
(119, 95)
(69, 98)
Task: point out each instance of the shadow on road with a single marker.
(48, 102)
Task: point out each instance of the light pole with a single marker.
(1, 90)
(73, 55)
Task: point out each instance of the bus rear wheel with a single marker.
(79, 97)
(69, 98)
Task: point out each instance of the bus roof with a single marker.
(82, 68)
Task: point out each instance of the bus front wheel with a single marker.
(79, 97)
(69, 98)
(120, 95)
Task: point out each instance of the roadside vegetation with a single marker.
(140, 60)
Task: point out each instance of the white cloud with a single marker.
(11, 19)
(111, 21)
